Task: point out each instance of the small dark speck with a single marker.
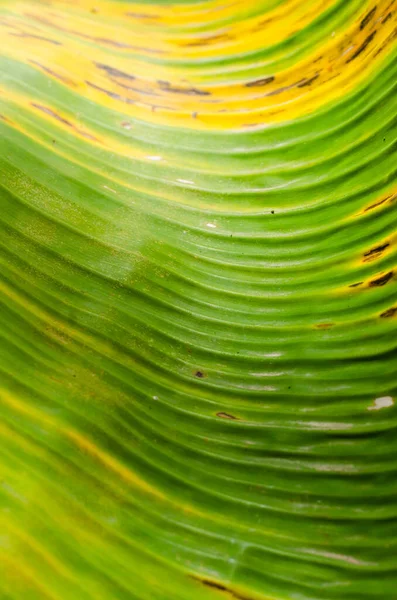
(384, 139)
(199, 374)
(94, 11)
(53, 141)
(194, 115)
(272, 211)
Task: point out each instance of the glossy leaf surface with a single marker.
(198, 359)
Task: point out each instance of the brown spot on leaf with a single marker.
(367, 18)
(55, 115)
(306, 82)
(353, 285)
(115, 72)
(52, 73)
(52, 113)
(224, 415)
(363, 46)
(390, 197)
(260, 82)
(375, 252)
(199, 374)
(221, 587)
(381, 280)
(110, 94)
(390, 312)
(168, 87)
(214, 584)
(324, 325)
(386, 19)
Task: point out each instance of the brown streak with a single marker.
(363, 46)
(260, 82)
(389, 312)
(367, 18)
(221, 587)
(114, 72)
(306, 82)
(224, 415)
(381, 280)
(353, 285)
(167, 87)
(391, 197)
(54, 114)
(377, 250)
(50, 72)
(109, 93)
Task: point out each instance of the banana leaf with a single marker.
(198, 355)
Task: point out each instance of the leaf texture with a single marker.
(198, 365)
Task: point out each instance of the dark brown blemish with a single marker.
(52, 113)
(306, 82)
(199, 374)
(391, 197)
(260, 82)
(363, 46)
(224, 415)
(386, 19)
(324, 325)
(281, 90)
(298, 84)
(214, 584)
(387, 41)
(53, 73)
(375, 252)
(55, 115)
(110, 94)
(115, 72)
(353, 285)
(222, 588)
(133, 89)
(389, 312)
(381, 280)
(367, 18)
(167, 87)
